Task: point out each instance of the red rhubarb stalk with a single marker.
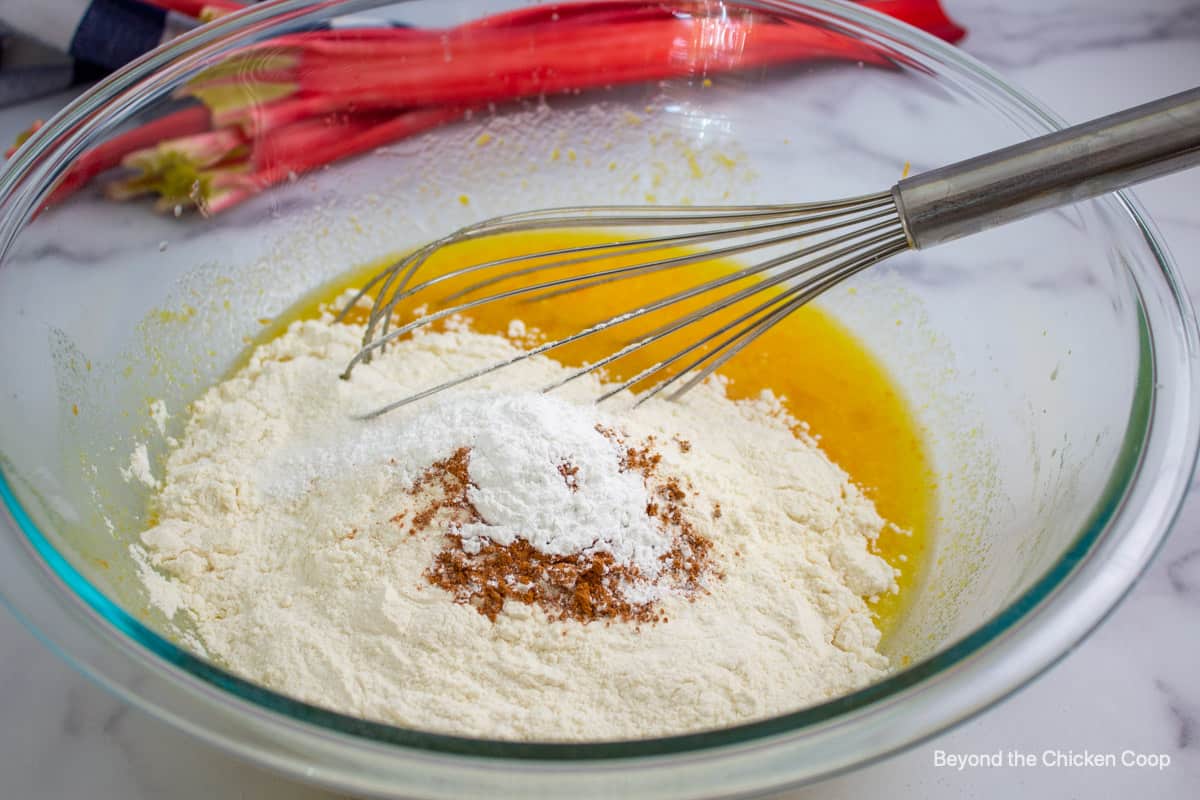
(216, 169)
(303, 100)
(503, 65)
(927, 15)
(295, 149)
(600, 25)
(589, 12)
(520, 53)
(255, 119)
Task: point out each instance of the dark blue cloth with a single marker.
(114, 32)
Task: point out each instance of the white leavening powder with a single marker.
(517, 443)
(278, 544)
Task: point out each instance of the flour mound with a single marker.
(286, 543)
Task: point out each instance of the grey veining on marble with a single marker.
(1022, 35)
(1134, 684)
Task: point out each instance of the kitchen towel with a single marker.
(49, 45)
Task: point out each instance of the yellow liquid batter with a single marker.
(825, 375)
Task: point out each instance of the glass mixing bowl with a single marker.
(1052, 364)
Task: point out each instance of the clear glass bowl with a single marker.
(1052, 362)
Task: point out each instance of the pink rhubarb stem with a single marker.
(543, 49)
(257, 120)
(589, 13)
(295, 149)
(507, 64)
(342, 92)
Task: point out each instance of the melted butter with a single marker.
(826, 376)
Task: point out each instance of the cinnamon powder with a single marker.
(570, 475)
(585, 586)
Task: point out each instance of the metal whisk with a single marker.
(803, 249)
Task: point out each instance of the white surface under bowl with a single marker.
(1056, 486)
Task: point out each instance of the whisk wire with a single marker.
(744, 338)
(666, 330)
(600, 252)
(662, 364)
(600, 216)
(627, 271)
(595, 252)
(840, 239)
(796, 255)
(797, 295)
(727, 301)
(664, 264)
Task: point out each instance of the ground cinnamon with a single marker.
(452, 476)
(570, 474)
(584, 587)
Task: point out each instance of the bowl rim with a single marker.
(26, 178)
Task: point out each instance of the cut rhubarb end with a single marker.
(179, 185)
(175, 179)
(177, 174)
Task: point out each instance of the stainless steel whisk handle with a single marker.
(1074, 164)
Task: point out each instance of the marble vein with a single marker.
(1184, 715)
(1184, 573)
(1007, 35)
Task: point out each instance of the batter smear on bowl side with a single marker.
(504, 563)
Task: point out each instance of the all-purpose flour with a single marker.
(278, 541)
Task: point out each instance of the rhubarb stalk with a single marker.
(496, 65)
(302, 100)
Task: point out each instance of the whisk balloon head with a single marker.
(786, 255)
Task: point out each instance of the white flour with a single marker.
(139, 467)
(277, 543)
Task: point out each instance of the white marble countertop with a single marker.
(1133, 685)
